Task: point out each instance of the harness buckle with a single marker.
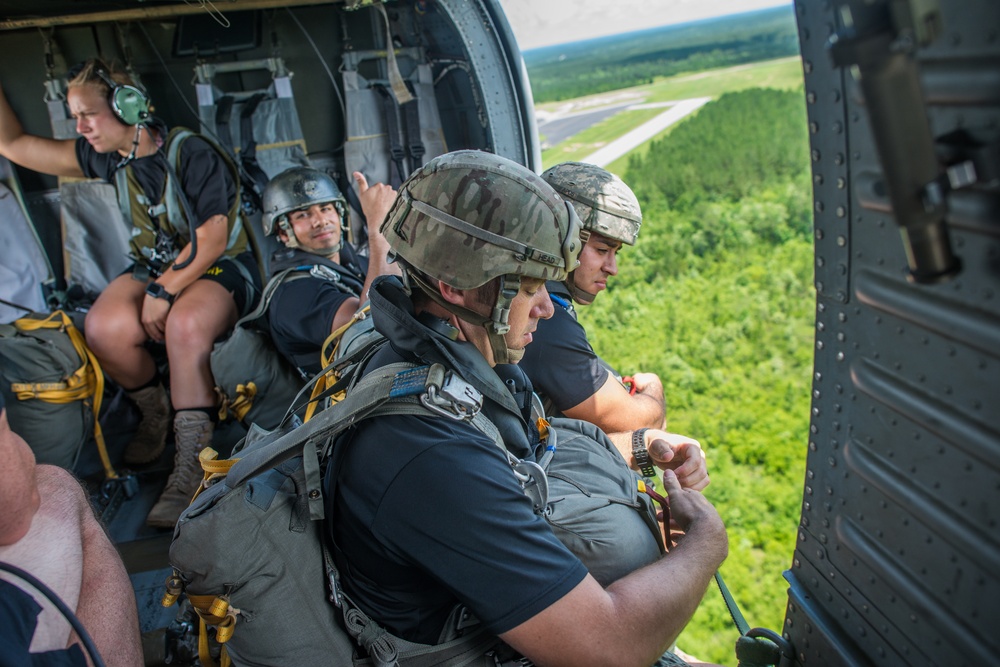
(534, 483)
(449, 395)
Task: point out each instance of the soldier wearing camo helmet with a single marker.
(425, 509)
(307, 212)
(470, 217)
(564, 369)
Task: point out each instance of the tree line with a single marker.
(717, 297)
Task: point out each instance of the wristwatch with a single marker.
(641, 454)
(158, 291)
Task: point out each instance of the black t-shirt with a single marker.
(205, 178)
(561, 363)
(428, 514)
(18, 620)
(301, 314)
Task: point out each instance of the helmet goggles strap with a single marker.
(521, 251)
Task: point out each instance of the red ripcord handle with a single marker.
(629, 384)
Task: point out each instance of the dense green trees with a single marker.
(717, 298)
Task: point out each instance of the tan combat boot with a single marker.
(151, 435)
(192, 433)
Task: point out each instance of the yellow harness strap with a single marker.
(216, 611)
(86, 382)
(326, 354)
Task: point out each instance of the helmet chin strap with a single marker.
(495, 324)
(581, 297)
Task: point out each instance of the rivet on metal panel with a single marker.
(819, 286)
(819, 345)
(814, 127)
(819, 234)
(841, 241)
(820, 555)
(838, 127)
(841, 212)
(811, 97)
(841, 296)
(842, 317)
(813, 429)
(841, 336)
(836, 95)
(838, 159)
(840, 356)
(816, 393)
(820, 262)
(815, 155)
(819, 206)
(807, 66)
(832, 461)
(841, 183)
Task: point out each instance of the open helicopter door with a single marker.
(898, 553)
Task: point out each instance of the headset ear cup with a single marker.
(129, 104)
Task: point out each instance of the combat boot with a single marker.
(151, 435)
(192, 433)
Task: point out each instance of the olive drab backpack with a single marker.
(256, 382)
(47, 376)
(249, 552)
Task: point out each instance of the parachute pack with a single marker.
(49, 376)
(250, 556)
(256, 382)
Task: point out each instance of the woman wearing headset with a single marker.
(184, 290)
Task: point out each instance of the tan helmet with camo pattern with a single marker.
(468, 217)
(606, 206)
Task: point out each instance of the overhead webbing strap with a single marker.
(397, 154)
(248, 152)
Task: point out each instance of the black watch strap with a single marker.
(158, 291)
(641, 454)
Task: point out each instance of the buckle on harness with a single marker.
(449, 395)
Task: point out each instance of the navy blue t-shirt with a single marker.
(561, 363)
(201, 171)
(301, 314)
(18, 619)
(428, 514)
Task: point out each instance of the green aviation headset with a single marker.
(129, 104)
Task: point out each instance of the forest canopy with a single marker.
(717, 297)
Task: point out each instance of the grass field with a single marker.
(785, 73)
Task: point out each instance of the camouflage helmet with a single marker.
(606, 205)
(298, 188)
(468, 217)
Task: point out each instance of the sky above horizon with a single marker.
(538, 23)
